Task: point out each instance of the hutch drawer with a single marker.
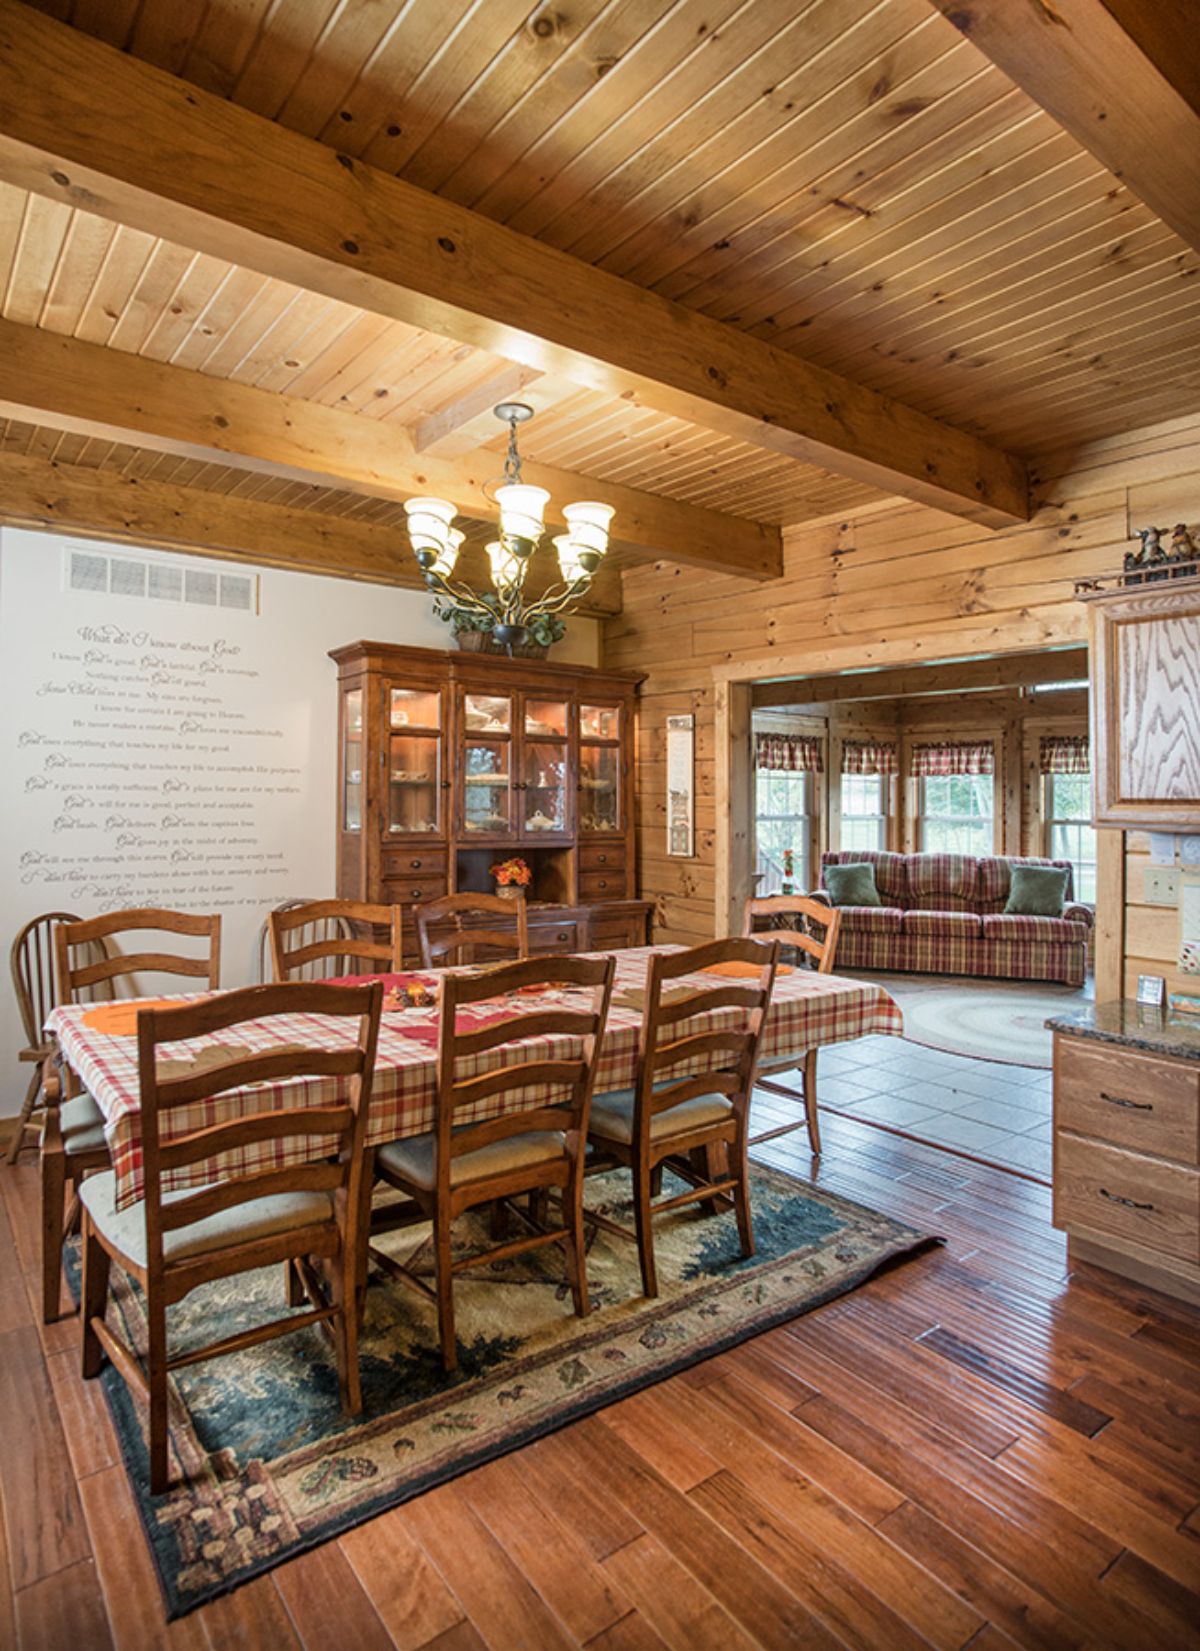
(1130, 1100)
(560, 935)
(602, 857)
(602, 885)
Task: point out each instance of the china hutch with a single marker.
(451, 762)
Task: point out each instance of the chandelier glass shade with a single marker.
(505, 610)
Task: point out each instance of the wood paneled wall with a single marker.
(894, 585)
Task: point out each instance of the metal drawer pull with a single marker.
(1134, 1106)
(1129, 1203)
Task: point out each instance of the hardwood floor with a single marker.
(971, 1450)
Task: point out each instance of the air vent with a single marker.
(120, 575)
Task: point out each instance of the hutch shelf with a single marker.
(449, 762)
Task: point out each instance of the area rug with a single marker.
(272, 1466)
(991, 1020)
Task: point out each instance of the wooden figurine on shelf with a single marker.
(1184, 552)
(1150, 550)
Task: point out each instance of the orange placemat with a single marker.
(119, 1020)
(745, 971)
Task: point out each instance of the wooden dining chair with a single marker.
(31, 960)
(88, 959)
(695, 1121)
(266, 1211)
(329, 935)
(811, 927)
(324, 930)
(446, 937)
(528, 1148)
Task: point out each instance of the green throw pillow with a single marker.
(1037, 891)
(852, 884)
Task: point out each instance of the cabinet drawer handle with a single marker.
(1134, 1106)
(564, 935)
(416, 893)
(415, 865)
(1129, 1203)
(602, 859)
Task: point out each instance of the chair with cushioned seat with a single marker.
(32, 963)
(88, 961)
(446, 937)
(811, 927)
(269, 1211)
(526, 1149)
(689, 1121)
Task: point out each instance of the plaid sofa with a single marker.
(944, 914)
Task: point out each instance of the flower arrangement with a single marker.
(510, 872)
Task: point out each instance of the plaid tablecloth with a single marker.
(808, 1009)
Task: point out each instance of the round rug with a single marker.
(991, 1020)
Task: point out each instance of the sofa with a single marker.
(944, 914)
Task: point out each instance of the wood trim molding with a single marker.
(93, 390)
(965, 675)
(100, 130)
(1107, 71)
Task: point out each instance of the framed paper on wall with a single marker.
(681, 786)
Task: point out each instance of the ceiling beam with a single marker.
(470, 420)
(93, 390)
(109, 504)
(960, 676)
(103, 131)
(1115, 74)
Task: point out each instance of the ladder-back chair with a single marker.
(696, 1121)
(88, 960)
(325, 937)
(296, 1213)
(809, 926)
(446, 936)
(31, 960)
(461, 1164)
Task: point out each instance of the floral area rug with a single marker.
(273, 1467)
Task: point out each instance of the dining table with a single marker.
(808, 1010)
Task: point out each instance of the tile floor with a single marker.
(990, 1110)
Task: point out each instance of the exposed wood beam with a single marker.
(84, 124)
(959, 676)
(1115, 74)
(96, 391)
(470, 420)
(107, 504)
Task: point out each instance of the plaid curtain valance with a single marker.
(789, 753)
(953, 757)
(870, 757)
(1065, 754)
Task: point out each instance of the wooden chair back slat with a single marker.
(444, 940)
(770, 909)
(735, 1048)
(202, 1144)
(539, 1024)
(335, 932)
(190, 1022)
(71, 937)
(575, 1076)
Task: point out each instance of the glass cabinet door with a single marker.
(544, 766)
(487, 742)
(600, 769)
(352, 760)
(413, 759)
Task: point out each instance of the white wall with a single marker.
(162, 753)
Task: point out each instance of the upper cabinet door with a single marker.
(544, 786)
(487, 751)
(602, 758)
(1146, 707)
(415, 782)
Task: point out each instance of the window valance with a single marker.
(870, 757)
(953, 757)
(789, 753)
(1065, 754)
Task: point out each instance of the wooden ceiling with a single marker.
(850, 180)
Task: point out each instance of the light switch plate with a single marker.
(1161, 886)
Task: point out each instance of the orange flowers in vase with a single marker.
(511, 875)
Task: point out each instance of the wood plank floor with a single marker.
(972, 1450)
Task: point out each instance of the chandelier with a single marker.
(504, 610)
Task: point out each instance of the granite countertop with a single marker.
(1134, 1026)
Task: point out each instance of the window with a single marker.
(783, 820)
(1069, 835)
(864, 811)
(958, 814)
